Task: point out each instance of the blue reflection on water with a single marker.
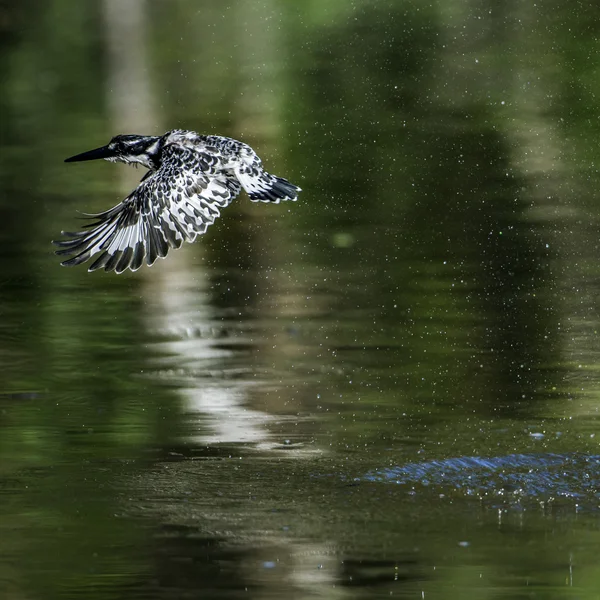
(568, 475)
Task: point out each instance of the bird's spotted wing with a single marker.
(169, 207)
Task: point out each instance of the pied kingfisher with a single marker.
(190, 178)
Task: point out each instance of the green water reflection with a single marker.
(204, 428)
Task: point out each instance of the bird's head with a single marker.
(142, 149)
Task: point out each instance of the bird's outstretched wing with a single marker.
(168, 207)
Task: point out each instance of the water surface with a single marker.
(388, 388)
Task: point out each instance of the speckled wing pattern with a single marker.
(197, 177)
(247, 168)
(171, 205)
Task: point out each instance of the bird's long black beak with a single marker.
(103, 152)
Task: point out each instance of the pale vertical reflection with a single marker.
(538, 146)
(130, 99)
(518, 93)
(128, 83)
(182, 313)
(176, 292)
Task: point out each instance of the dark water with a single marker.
(388, 388)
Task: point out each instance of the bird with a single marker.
(190, 178)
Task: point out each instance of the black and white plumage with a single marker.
(191, 178)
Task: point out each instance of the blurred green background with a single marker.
(205, 428)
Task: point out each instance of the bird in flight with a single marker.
(191, 177)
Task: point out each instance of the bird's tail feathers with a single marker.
(264, 187)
